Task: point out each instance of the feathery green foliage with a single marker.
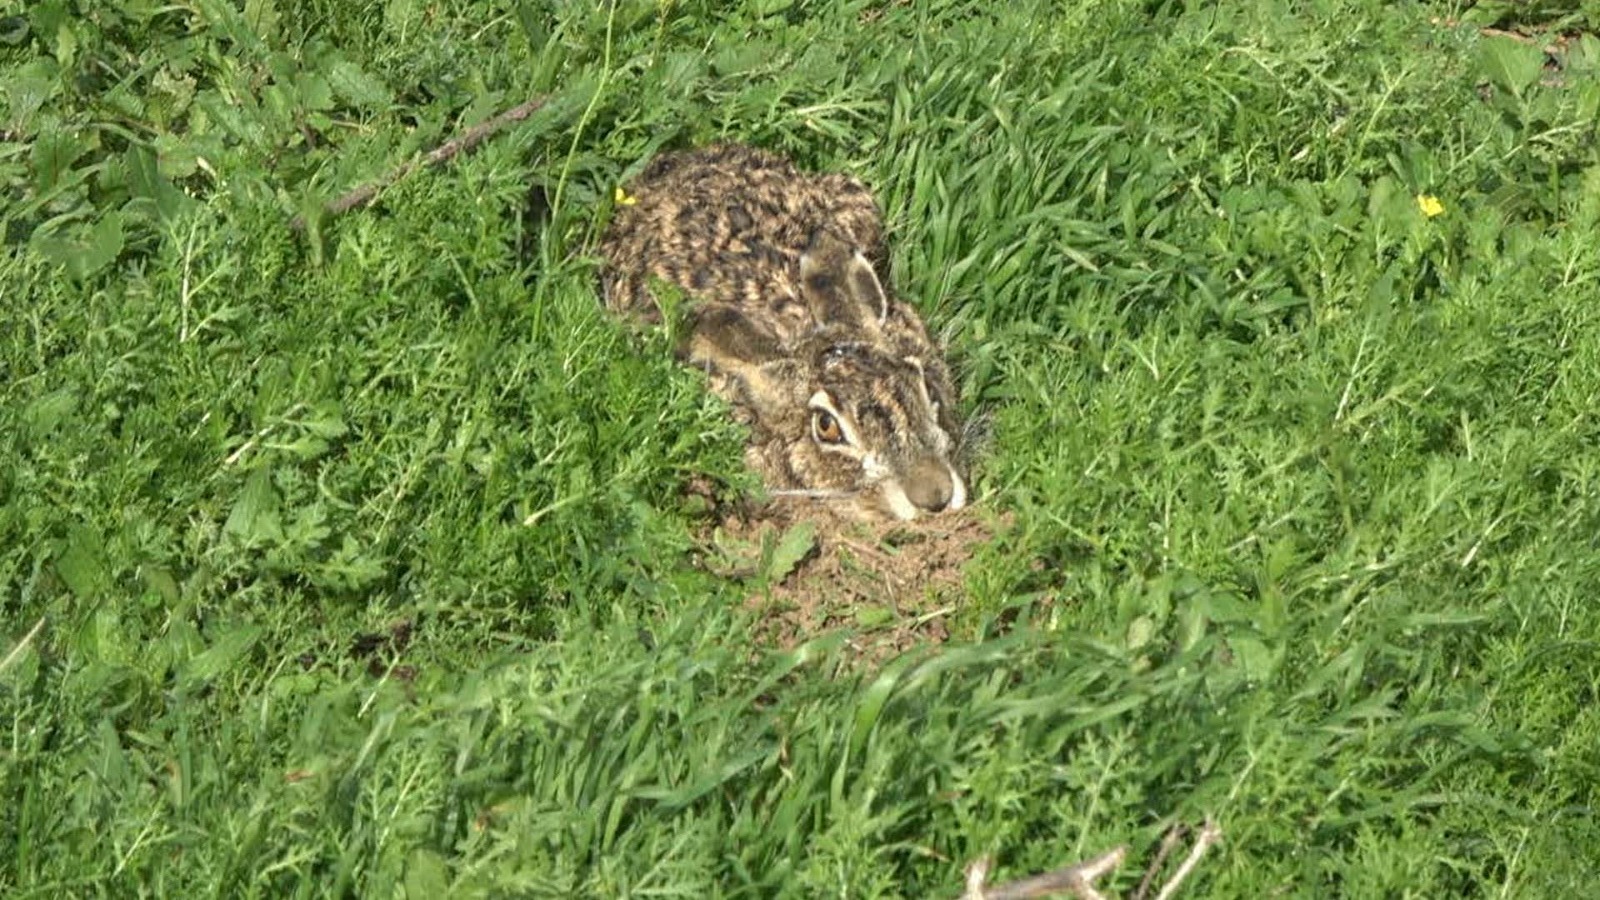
(1305, 480)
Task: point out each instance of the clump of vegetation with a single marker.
(370, 557)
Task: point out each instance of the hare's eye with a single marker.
(826, 427)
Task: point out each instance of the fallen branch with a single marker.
(1168, 842)
(1209, 834)
(445, 152)
(1079, 879)
(16, 652)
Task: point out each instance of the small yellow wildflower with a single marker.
(1430, 205)
(623, 199)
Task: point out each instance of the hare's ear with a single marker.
(743, 355)
(723, 337)
(866, 288)
(840, 286)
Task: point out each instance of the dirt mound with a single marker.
(887, 587)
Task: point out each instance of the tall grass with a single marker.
(358, 561)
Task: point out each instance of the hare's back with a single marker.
(728, 223)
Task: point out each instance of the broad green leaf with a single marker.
(151, 190)
(255, 515)
(427, 876)
(103, 244)
(160, 583)
(327, 423)
(66, 45)
(874, 616)
(314, 92)
(82, 564)
(218, 658)
(794, 546)
(1253, 657)
(531, 19)
(261, 16)
(28, 88)
(45, 414)
(357, 87)
(175, 156)
(54, 152)
(1510, 64)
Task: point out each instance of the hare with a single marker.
(847, 398)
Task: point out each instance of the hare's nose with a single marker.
(930, 486)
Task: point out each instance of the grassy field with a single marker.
(359, 561)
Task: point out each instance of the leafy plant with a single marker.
(356, 560)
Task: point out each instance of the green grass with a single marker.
(1305, 483)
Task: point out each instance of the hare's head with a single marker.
(859, 409)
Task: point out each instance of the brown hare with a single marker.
(847, 398)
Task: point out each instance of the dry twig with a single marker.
(1079, 879)
(1209, 834)
(445, 152)
(1168, 842)
(16, 652)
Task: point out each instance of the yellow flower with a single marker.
(1430, 205)
(623, 199)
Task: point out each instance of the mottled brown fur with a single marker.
(727, 224)
(847, 397)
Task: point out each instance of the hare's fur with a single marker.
(847, 397)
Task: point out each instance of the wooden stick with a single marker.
(457, 145)
(1209, 834)
(22, 645)
(1078, 878)
(1168, 842)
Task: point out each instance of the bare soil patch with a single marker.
(887, 587)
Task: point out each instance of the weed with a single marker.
(1282, 313)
